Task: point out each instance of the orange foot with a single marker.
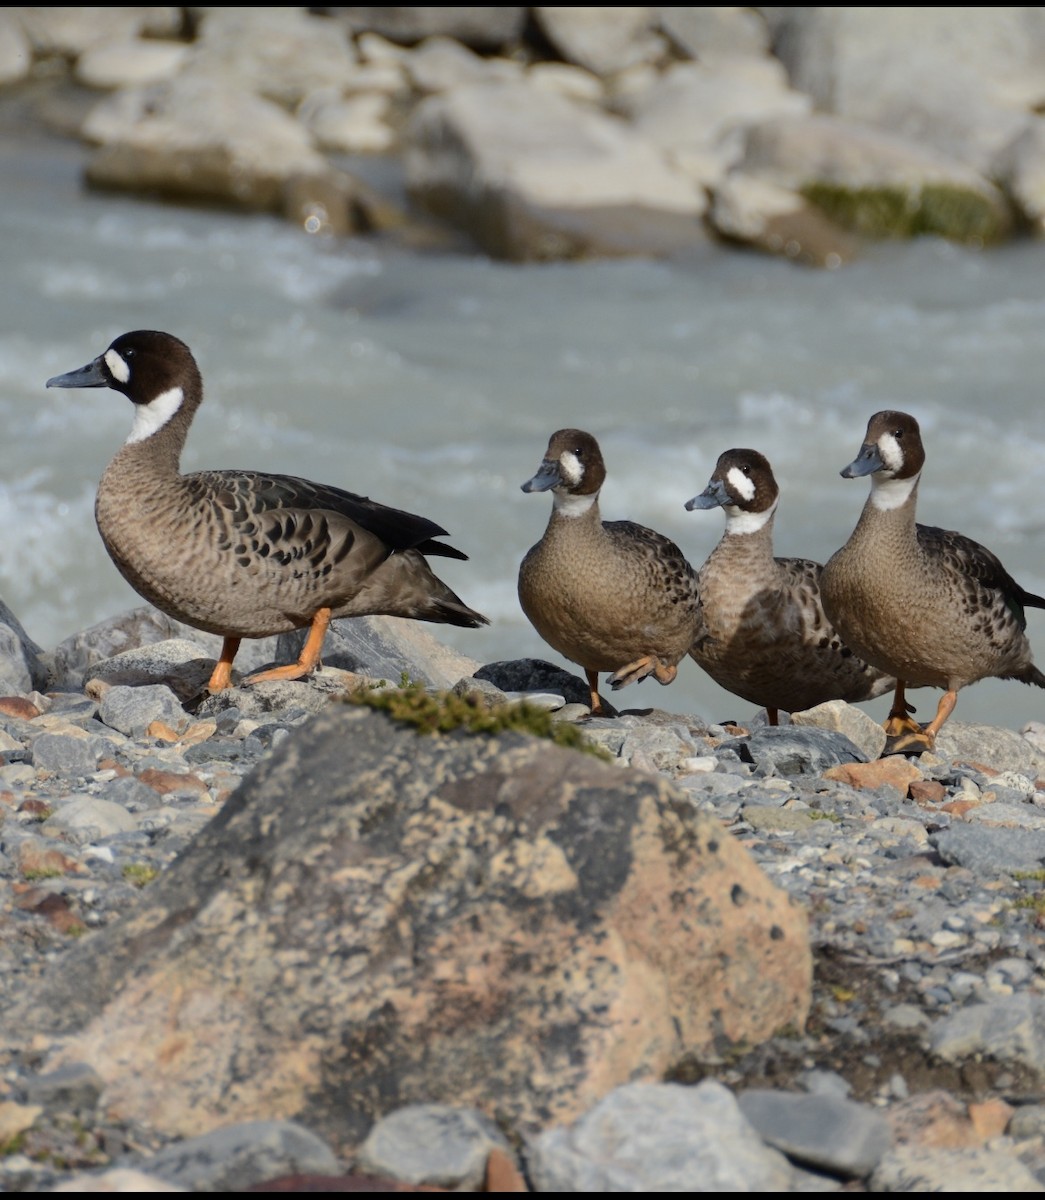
(911, 742)
(638, 670)
(309, 658)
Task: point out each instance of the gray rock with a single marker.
(602, 40)
(64, 754)
(717, 34)
(862, 730)
(498, 160)
(131, 794)
(432, 1144)
(131, 710)
(822, 1131)
(658, 1137)
(89, 819)
(1002, 749)
(790, 750)
(70, 31)
(917, 1168)
(76, 1088)
(1010, 1030)
(22, 667)
(237, 1157)
(535, 675)
(482, 28)
(990, 851)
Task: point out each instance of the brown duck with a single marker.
(608, 595)
(765, 637)
(242, 553)
(930, 606)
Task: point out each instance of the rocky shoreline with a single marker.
(152, 857)
(560, 133)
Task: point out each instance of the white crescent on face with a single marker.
(118, 367)
(742, 484)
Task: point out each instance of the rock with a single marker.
(131, 710)
(22, 667)
(199, 138)
(16, 55)
(484, 921)
(89, 819)
(69, 32)
(603, 41)
(239, 1157)
(862, 730)
(659, 1138)
(432, 1144)
(790, 750)
(501, 161)
(119, 1179)
(76, 1088)
(827, 1132)
(440, 63)
(132, 62)
(281, 54)
(916, 1169)
(894, 772)
(712, 35)
(964, 89)
(1020, 168)
(988, 850)
(535, 675)
(481, 28)
(1010, 1030)
(875, 183)
(63, 754)
(1003, 749)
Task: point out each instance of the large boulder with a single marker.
(380, 918)
(531, 175)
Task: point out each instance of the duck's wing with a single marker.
(964, 557)
(247, 495)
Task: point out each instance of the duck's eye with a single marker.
(746, 469)
(898, 434)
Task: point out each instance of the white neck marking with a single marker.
(740, 522)
(567, 505)
(151, 417)
(887, 494)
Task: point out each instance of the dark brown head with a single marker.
(572, 465)
(743, 480)
(892, 448)
(155, 371)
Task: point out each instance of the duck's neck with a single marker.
(569, 510)
(892, 506)
(158, 434)
(747, 536)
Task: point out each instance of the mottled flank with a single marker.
(378, 918)
(764, 635)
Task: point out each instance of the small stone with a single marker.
(432, 1144)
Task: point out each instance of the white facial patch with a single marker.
(148, 418)
(570, 468)
(887, 494)
(742, 484)
(571, 506)
(739, 522)
(121, 372)
(889, 449)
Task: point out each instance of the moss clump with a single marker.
(35, 874)
(139, 874)
(444, 712)
(961, 214)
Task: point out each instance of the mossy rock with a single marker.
(944, 210)
(445, 712)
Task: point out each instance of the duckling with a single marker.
(930, 606)
(242, 553)
(765, 636)
(608, 595)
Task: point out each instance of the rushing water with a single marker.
(432, 382)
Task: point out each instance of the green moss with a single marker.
(139, 874)
(817, 814)
(36, 873)
(1038, 876)
(949, 211)
(444, 712)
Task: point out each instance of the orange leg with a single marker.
(947, 702)
(595, 700)
(221, 676)
(310, 653)
(638, 670)
(899, 722)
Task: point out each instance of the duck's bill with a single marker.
(547, 477)
(93, 375)
(866, 462)
(712, 496)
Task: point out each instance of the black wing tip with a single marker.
(441, 549)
